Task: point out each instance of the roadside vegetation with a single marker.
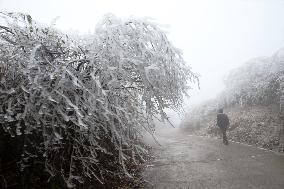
(73, 108)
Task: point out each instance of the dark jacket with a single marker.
(222, 120)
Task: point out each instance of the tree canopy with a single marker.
(255, 83)
(78, 105)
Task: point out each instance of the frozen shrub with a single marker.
(76, 107)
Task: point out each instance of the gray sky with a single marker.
(215, 35)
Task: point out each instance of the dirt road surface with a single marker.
(183, 161)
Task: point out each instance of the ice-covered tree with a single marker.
(77, 106)
(256, 82)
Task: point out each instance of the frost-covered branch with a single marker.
(81, 105)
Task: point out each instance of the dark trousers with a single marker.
(224, 132)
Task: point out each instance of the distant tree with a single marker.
(76, 106)
(257, 82)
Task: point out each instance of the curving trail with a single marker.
(185, 161)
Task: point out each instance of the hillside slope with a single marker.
(257, 125)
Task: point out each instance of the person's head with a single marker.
(220, 111)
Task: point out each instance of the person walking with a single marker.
(223, 123)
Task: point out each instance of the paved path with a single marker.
(185, 161)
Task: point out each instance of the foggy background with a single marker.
(215, 36)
